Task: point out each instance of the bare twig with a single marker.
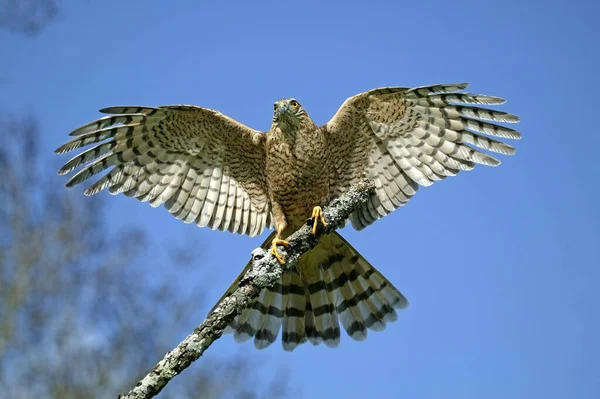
(265, 271)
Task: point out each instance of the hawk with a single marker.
(208, 169)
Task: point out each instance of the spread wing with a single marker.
(404, 138)
(205, 167)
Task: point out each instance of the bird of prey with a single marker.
(208, 169)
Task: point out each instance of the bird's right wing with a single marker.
(205, 167)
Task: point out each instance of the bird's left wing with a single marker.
(403, 138)
(205, 167)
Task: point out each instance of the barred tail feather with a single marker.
(332, 283)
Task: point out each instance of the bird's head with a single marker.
(288, 112)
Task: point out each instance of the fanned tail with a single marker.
(332, 283)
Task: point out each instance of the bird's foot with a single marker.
(317, 214)
(277, 241)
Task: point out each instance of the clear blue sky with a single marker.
(499, 265)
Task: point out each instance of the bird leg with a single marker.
(278, 241)
(317, 214)
(280, 225)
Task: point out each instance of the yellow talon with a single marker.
(277, 241)
(317, 214)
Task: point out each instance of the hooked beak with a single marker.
(282, 108)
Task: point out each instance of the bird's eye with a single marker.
(294, 104)
(275, 107)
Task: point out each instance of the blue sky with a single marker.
(499, 264)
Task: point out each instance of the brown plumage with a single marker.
(208, 169)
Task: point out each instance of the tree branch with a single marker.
(265, 271)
